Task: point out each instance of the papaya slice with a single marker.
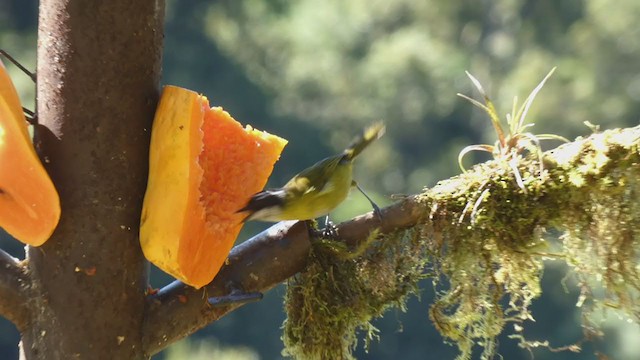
(203, 167)
(29, 203)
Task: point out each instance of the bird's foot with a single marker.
(330, 230)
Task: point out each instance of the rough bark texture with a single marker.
(98, 74)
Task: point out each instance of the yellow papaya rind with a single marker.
(173, 170)
(178, 233)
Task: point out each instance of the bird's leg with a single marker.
(31, 116)
(330, 230)
(376, 208)
(236, 296)
(327, 222)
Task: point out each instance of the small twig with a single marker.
(15, 62)
(13, 282)
(31, 116)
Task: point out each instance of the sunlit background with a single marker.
(316, 72)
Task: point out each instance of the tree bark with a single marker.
(98, 74)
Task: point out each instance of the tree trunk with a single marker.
(98, 73)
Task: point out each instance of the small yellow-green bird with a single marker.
(315, 191)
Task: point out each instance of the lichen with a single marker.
(482, 243)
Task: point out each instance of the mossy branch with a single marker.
(480, 238)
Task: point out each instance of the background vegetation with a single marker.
(316, 72)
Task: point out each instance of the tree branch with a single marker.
(400, 215)
(13, 300)
(258, 264)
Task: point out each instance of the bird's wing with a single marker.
(319, 174)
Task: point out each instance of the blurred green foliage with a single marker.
(207, 349)
(316, 72)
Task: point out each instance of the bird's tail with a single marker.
(369, 135)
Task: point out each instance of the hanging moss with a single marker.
(342, 290)
(482, 243)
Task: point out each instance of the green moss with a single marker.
(341, 291)
(482, 244)
(495, 255)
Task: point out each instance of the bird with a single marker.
(316, 190)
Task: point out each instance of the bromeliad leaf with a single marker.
(510, 146)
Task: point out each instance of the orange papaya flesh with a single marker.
(203, 167)
(29, 202)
